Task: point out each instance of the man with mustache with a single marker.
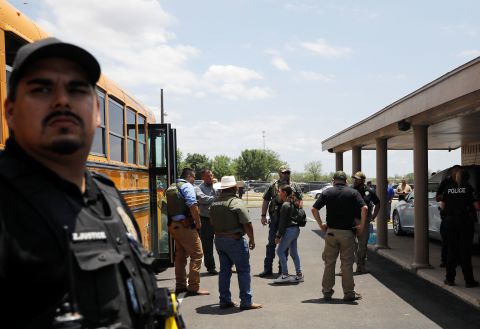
(69, 246)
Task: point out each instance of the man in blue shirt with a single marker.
(390, 195)
(187, 241)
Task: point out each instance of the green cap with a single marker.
(359, 175)
(340, 175)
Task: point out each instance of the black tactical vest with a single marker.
(113, 280)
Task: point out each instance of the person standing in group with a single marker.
(231, 222)
(184, 228)
(371, 200)
(458, 203)
(287, 237)
(403, 189)
(342, 204)
(205, 196)
(70, 250)
(272, 203)
(448, 180)
(390, 195)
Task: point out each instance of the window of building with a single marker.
(131, 136)
(116, 124)
(98, 145)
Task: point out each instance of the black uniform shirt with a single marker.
(370, 198)
(342, 203)
(458, 200)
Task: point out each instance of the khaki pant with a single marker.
(361, 242)
(187, 244)
(343, 242)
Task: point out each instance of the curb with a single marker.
(426, 274)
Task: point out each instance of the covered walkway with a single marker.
(442, 115)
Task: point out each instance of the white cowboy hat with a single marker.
(227, 182)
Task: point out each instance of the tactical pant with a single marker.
(343, 242)
(443, 234)
(207, 235)
(270, 252)
(361, 242)
(460, 231)
(187, 244)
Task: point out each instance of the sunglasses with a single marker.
(287, 172)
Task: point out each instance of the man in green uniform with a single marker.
(230, 221)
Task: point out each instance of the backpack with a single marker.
(298, 216)
(175, 200)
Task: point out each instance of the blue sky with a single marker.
(299, 70)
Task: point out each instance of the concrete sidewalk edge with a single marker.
(426, 274)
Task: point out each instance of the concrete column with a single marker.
(338, 161)
(356, 159)
(382, 225)
(420, 170)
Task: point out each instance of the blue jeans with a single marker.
(289, 241)
(234, 252)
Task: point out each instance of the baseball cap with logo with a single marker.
(53, 47)
(340, 175)
(359, 175)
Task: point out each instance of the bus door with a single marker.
(162, 173)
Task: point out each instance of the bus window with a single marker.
(116, 124)
(142, 144)
(131, 136)
(98, 145)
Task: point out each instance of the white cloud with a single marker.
(313, 76)
(231, 82)
(323, 49)
(139, 54)
(230, 73)
(472, 53)
(280, 64)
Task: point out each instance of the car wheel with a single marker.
(397, 226)
(317, 195)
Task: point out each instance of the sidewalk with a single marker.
(401, 252)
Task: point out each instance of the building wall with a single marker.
(470, 154)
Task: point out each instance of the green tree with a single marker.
(197, 162)
(257, 164)
(314, 170)
(222, 165)
(180, 163)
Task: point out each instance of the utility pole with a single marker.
(263, 135)
(161, 106)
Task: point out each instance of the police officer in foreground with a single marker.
(451, 172)
(231, 222)
(272, 202)
(67, 239)
(371, 199)
(342, 203)
(458, 203)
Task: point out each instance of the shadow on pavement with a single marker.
(214, 309)
(436, 304)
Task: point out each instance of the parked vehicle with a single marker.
(403, 212)
(316, 193)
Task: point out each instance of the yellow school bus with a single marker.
(129, 147)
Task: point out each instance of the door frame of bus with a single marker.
(162, 142)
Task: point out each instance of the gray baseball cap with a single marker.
(52, 47)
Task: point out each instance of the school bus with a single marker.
(129, 147)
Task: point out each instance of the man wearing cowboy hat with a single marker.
(230, 221)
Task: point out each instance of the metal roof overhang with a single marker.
(449, 106)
